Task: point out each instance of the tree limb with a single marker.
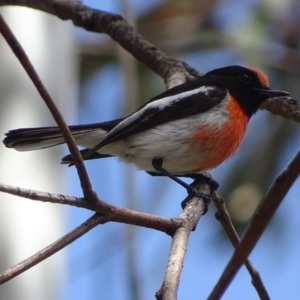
(174, 72)
(53, 248)
(190, 217)
(223, 217)
(28, 67)
(113, 213)
(257, 226)
(179, 228)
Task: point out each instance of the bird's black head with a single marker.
(250, 87)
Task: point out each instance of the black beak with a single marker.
(269, 93)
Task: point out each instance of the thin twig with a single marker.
(44, 196)
(223, 217)
(28, 67)
(190, 217)
(53, 248)
(257, 226)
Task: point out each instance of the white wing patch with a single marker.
(163, 102)
(160, 104)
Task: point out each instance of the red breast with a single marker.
(217, 145)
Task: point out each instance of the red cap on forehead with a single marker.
(261, 76)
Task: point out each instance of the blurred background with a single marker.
(94, 80)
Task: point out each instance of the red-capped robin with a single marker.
(188, 129)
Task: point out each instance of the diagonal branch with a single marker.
(173, 71)
(257, 226)
(223, 217)
(28, 67)
(53, 248)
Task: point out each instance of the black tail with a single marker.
(27, 139)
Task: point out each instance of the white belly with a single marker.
(170, 141)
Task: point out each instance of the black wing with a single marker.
(177, 103)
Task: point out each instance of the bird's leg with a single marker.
(157, 165)
(206, 200)
(197, 176)
(213, 184)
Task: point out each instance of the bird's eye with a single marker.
(245, 78)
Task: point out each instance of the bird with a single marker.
(183, 132)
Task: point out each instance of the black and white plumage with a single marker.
(183, 126)
(150, 132)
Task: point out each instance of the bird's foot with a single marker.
(193, 192)
(214, 185)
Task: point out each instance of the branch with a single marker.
(28, 67)
(190, 217)
(257, 226)
(53, 248)
(174, 72)
(283, 106)
(113, 213)
(179, 228)
(223, 217)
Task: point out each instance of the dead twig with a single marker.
(223, 217)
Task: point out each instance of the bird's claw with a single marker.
(213, 184)
(193, 192)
